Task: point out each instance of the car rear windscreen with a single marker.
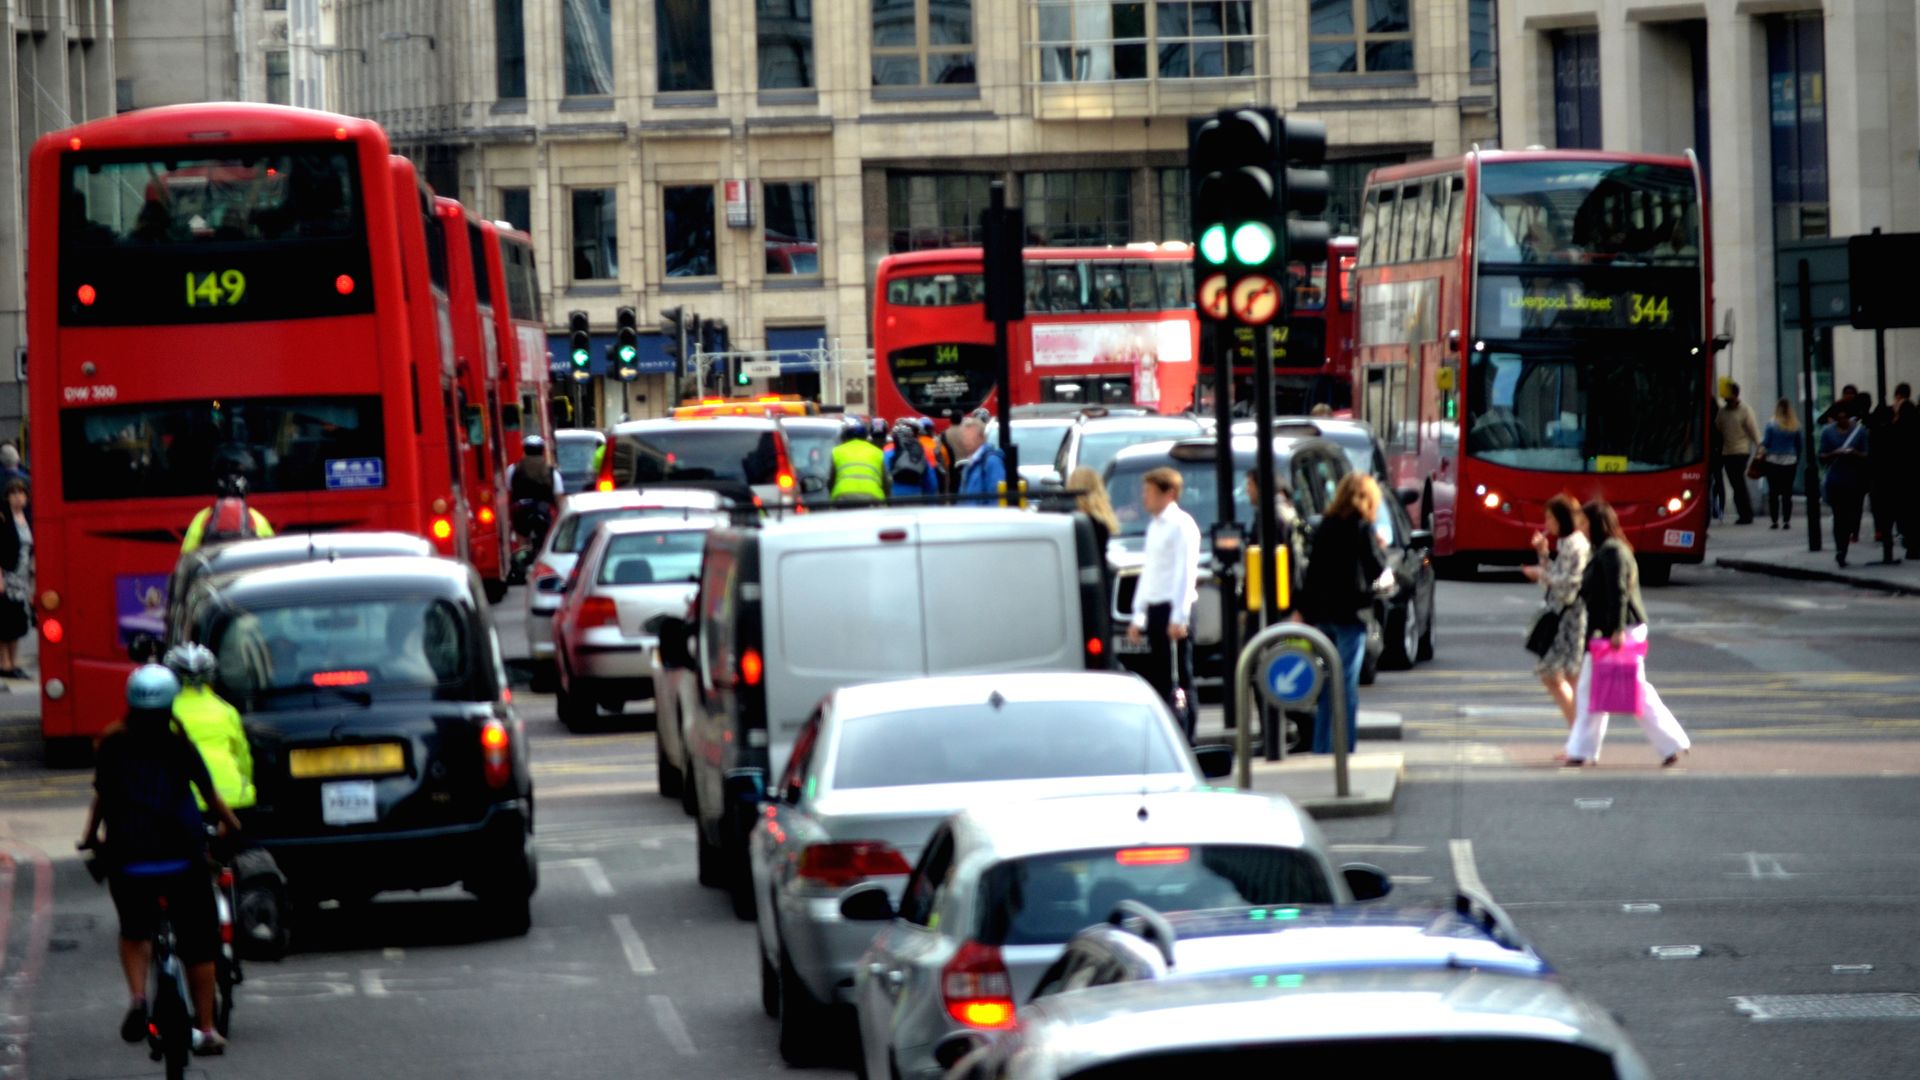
(1199, 496)
(574, 530)
(812, 450)
(653, 558)
(1046, 899)
(960, 744)
(695, 451)
(1430, 1056)
(574, 459)
(270, 656)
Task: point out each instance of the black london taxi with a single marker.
(213, 562)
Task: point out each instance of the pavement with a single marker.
(1757, 549)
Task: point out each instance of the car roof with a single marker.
(1307, 938)
(383, 576)
(1079, 823)
(1338, 430)
(1149, 422)
(580, 435)
(624, 526)
(705, 423)
(673, 498)
(901, 695)
(863, 522)
(1108, 1023)
(809, 423)
(1284, 446)
(305, 547)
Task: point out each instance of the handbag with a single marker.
(1617, 682)
(1545, 628)
(1754, 470)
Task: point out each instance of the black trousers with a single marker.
(1170, 666)
(1780, 492)
(1846, 503)
(1734, 468)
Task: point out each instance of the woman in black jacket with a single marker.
(1615, 613)
(1338, 589)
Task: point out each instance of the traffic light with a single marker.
(626, 345)
(673, 325)
(1249, 171)
(581, 342)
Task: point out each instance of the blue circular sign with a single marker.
(1290, 677)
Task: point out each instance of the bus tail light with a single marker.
(86, 295)
(977, 988)
(496, 752)
(596, 611)
(343, 285)
(442, 528)
(486, 515)
(52, 632)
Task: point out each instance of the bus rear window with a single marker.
(272, 232)
(167, 449)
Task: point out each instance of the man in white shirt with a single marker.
(1163, 601)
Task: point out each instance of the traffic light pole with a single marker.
(1273, 733)
(1216, 338)
(1003, 232)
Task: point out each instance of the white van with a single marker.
(802, 606)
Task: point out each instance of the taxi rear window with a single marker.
(280, 656)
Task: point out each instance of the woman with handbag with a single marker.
(1778, 461)
(1344, 574)
(1617, 621)
(1558, 635)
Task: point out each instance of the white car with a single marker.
(568, 538)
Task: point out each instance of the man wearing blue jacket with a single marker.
(984, 470)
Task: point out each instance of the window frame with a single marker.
(1030, 203)
(1490, 70)
(662, 41)
(602, 48)
(611, 204)
(517, 33)
(813, 212)
(801, 13)
(1150, 40)
(902, 209)
(1361, 37)
(713, 227)
(922, 50)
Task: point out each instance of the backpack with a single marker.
(230, 520)
(909, 464)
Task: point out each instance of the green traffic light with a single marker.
(627, 354)
(1213, 244)
(580, 358)
(743, 379)
(1253, 243)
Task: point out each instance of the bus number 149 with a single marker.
(215, 287)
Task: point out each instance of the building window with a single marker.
(1576, 89)
(516, 208)
(793, 231)
(274, 5)
(1346, 180)
(922, 42)
(509, 49)
(1483, 37)
(277, 84)
(688, 234)
(586, 33)
(935, 210)
(1176, 214)
(785, 44)
(683, 31)
(596, 235)
(123, 95)
(1357, 36)
(1103, 41)
(1797, 121)
(1083, 208)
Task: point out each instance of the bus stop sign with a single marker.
(1289, 677)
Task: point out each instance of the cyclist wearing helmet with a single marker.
(229, 518)
(859, 468)
(144, 777)
(908, 469)
(533, 477)
(877, 432)
(212, 724)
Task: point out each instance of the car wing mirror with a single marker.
(1409, 496)
(1215, 760)
(1420, 540)
(812, 485)
(1366, 881)
(867, 903)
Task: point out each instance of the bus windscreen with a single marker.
(167, 449)
(244, 234)
(1588, 212)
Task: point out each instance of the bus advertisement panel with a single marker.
(1537, 322)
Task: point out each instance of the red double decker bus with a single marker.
(476, 365)
(1104, 326)
(1313, 347)
(1534, 322)
(521, 331)
(207, 281)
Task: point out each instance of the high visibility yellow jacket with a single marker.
(860, 470)
(214, 726)
(197, 530)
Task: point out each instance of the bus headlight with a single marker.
(1675, 505)
(1491, 500)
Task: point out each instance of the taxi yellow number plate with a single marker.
(367, 759)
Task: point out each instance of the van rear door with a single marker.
(1002, 590)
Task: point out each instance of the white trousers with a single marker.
(1590, 728)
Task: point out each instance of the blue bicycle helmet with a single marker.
(152, 687)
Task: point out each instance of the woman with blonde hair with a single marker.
(1779, 460)
(1344, 574)
(1090, 498)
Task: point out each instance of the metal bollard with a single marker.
(1336, 685)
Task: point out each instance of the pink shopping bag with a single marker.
(1617, 683)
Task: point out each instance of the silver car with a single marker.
(1458, 1021)
(877, 767)
(1095, 437)
(579, 516)
(1001, 888)
(631, 571)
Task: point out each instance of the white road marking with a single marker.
(1378, 849)
(371, 984)
(671, 1025)
(630, 943)
(1410, 879)
(1762, 867)
(589, 868)
(392, 953)
(1465, 874)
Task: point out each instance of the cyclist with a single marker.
(229, 518)
(145, 773)
(534, 489)
(212, 724)
(859, 468)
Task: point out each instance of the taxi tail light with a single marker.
(751, 667)
(977, 988)
(496, 752)
(839, 865)
(783, 468)
(604, 485)
(596, 611)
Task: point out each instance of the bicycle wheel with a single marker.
(172, 1024)
(223, 996)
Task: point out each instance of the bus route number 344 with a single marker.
(1644, 310)
(216, 287)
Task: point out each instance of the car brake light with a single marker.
(751, 667)
(977, 988)
(1095, 646)
(51, 631)
(786, 481)
(339, 678)
(839, 865)
(226, 877)
(604, 485)
(1152, 856)
(496, 752)
(596, 611)
(542, 570)
(892, 536)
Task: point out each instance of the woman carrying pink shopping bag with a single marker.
(1613, 675)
